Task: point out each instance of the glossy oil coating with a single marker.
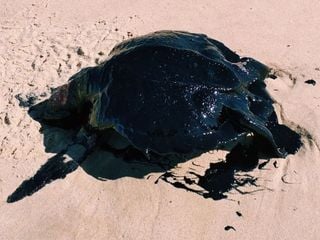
(176, 92)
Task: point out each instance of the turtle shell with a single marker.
(177, 92)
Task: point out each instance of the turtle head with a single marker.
(71, 103)
(60, 109)
(59, 106)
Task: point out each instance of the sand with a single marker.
(42, 43)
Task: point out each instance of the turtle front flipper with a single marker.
(58, 166)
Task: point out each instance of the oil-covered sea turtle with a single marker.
(169, 92)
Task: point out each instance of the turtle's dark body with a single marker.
(172, 92)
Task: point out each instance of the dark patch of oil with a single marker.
(262, 165)
(239, 214)
(221, 177)
(224, 176)
(80, 52)
(272, 76)
(285, 138)
(228, 227)
(7, 119)
(275, 164)
(311, 81)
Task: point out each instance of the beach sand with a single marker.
(42, 43)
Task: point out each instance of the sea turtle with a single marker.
(170, 92)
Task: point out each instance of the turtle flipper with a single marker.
(57, 167)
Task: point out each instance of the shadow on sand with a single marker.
(107, 162)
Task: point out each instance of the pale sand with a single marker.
(37, 36)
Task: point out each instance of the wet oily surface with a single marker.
(175, 92)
